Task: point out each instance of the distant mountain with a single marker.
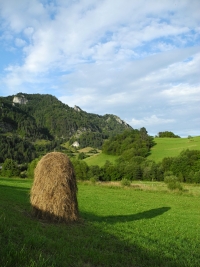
(37, 116)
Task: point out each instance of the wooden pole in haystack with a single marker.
(53, 194)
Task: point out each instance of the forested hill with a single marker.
(129, 144)
(37, 116)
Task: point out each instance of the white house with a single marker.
(76, 144)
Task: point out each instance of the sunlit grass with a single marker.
(119, 226)
(171, 147)
(100, 159)
(88, 149)
(41, 142)
(165, 147)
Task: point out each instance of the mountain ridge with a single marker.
(43, 116)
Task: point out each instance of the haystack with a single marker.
(53, 194)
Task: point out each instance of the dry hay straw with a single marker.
(53, 194)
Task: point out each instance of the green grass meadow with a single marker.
(100, 159)
(165, 147)
(171, 147)
(131, 227)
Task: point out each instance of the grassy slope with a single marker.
(171, 147)
(165, 147)
(87, 149)
(100, 159)
(121, 227)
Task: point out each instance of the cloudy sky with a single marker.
(137, 59)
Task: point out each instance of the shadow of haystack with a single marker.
(53, 194)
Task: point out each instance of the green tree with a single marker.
(190, 177)
(149, 170)
(94, 171)
(81, 169)
(129, 144)
(10, 168)
(31, 168)
(197, 177)
(168, 134)
(81, 156)
(180, 177)
(172, 182)
(109, 172)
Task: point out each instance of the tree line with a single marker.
(23, 151)
(167, 134)
(185, 167)
(132, 148)
(129, 144)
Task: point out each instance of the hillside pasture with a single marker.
(41, 142)
(100, 159)
(127, 227)
(165, 147)
(171, 147)
(88, 149)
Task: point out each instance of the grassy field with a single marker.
(171, 147)
(87, 149)
(100, 159)
(165, 147)
(144, 225)
(41, 142)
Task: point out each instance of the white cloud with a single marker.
(183, 92)
(152, 120)
(28, 31)
(82, 27)
(132, 58)
(19, 42)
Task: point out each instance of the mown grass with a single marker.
(88, 149)
(41, 142)
(171, 147)
(119, 227)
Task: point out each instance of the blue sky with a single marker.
(139, 60)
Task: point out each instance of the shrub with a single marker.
(94, 151)
(80, 168)
(81, 156)
(197, 177)
(31, 167)
(94, 179)
(173, 183)
(168, 173)
(125, 182)
(23, 174)
(10, 168)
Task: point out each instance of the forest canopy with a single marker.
(129, 144)
(168, 134)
